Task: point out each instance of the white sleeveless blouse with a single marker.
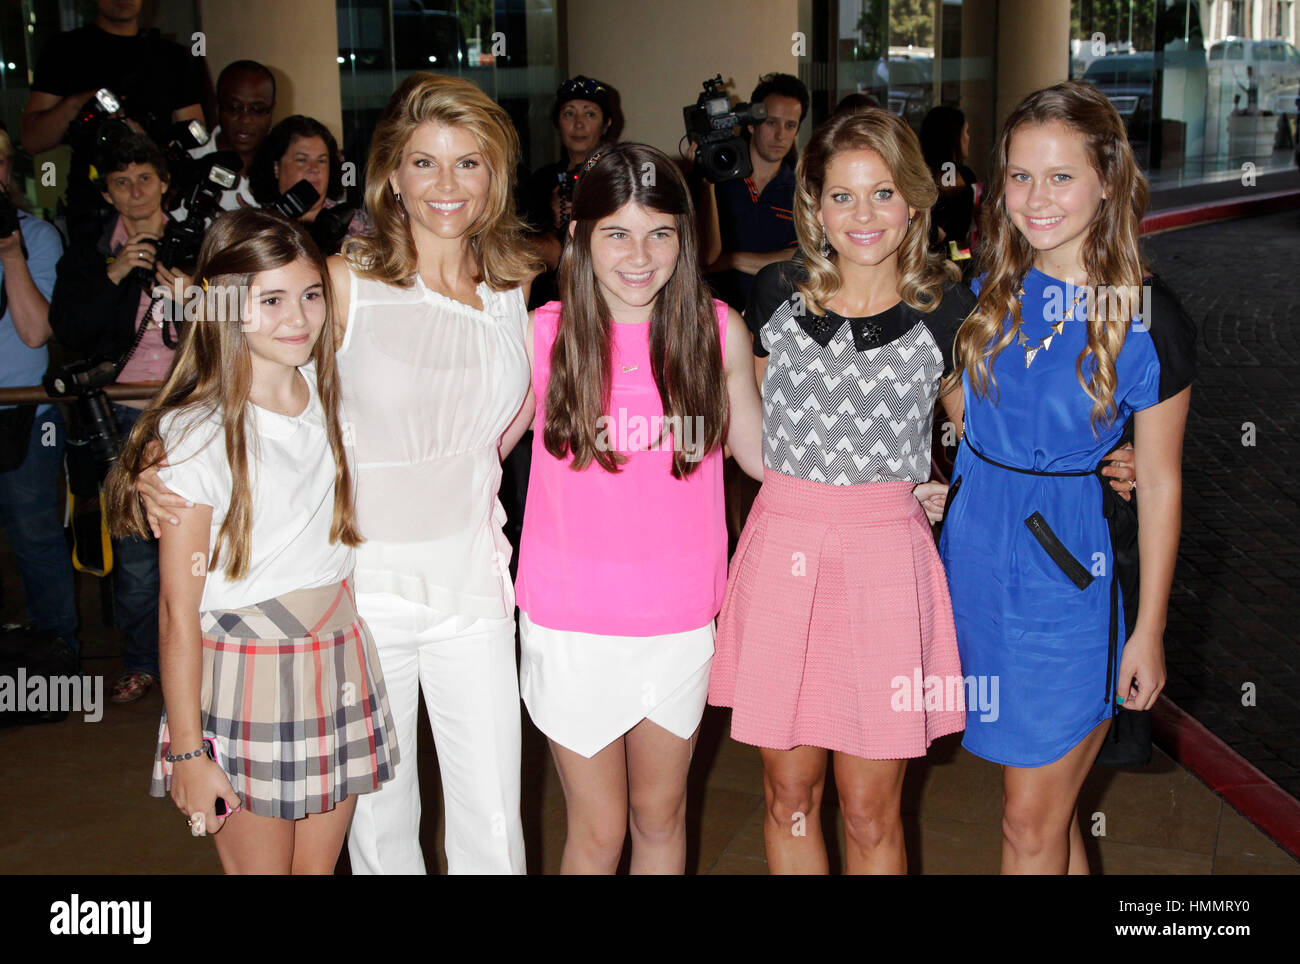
(428, 387)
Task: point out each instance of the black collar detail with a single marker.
(870, 332)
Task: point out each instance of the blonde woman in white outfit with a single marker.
(433, 368)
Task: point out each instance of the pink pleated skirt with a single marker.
(836, 630)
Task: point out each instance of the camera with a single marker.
(568, 180)
(91, 427)
(95, 126)
(183, 137)
(296, 201)
(711, 123)
(8, 214)
(179, 245)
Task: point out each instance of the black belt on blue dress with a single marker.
(1113, 636)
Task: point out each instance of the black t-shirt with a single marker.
(752, 220)
(152, 78)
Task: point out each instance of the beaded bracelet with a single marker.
(173, 758)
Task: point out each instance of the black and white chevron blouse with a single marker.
(848, 401)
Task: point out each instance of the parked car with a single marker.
(1128, 81)
(911, 88)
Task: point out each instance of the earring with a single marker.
(826, 245)
(396, 196)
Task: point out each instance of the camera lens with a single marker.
(724, 159)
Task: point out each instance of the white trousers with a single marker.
(467, 670)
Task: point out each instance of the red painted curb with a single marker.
(1185, 217)
(1227, 773)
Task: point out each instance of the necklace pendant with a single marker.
(1029, 355)
(629, 368)
(1047, 342)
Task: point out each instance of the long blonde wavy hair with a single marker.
(1109, 250)
(212, 372)
(921, 274)
(496, 236)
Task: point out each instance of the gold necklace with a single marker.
(1032, 349)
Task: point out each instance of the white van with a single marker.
(1274, 73)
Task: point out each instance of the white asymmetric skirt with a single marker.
(585, 690)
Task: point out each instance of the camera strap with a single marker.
(139, 335)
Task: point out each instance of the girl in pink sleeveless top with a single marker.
(639, 378)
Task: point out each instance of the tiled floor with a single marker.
(75, 802)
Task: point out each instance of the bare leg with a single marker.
(1078, 856)
(595, 797)
(249, 844)
(318, 838)
(793, 781)
(871, 793)
(1038, 806)
(657, 764)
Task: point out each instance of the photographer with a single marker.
(245, 100)
(582, 116)
(157, 82)
(301, 148)
(102, 306)
(747, 223)
(31, 436)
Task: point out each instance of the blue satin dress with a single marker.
(1028, 556)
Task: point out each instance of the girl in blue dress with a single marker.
(1069, 342)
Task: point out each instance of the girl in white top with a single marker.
(433, 369)
(276, 716)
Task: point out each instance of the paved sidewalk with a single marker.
(76, 802)
(1233, 620)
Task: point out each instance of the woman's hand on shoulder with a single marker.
(159, 501)
(341, 282)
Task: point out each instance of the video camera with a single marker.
(711, 123)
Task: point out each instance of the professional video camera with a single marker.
(711, 123)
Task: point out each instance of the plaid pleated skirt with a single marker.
(293, 698)
(836, 630)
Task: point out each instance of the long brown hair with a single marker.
(685, 350)
(212, 372)
(1109, 250)
(921, 274)
(496, 236)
